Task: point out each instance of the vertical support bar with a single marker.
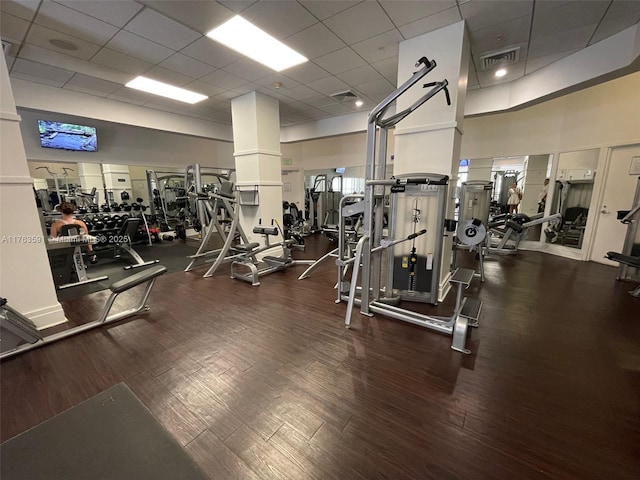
(370, 171)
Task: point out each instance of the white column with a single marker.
(428, 140)
(25, 275)
(256, 141)
(91, 176)
(117, 180)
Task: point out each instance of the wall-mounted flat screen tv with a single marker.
(67, 136)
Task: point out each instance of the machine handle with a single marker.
(417, 234)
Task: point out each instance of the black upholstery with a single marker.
(69, 230)
(129, 228)
(137, 278)
(626, 259)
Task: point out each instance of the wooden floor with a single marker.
(266, 383)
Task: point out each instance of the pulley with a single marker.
(471, 232)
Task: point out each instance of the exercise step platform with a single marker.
(277, 261)
(471, 310)
(463, 276)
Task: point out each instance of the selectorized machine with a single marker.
(406, 262)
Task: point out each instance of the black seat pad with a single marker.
(626, 259)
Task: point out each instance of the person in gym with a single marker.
(68, 218)
(515, 195)
(542, 196)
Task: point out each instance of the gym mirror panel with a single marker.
(572, 192)
(529, 172)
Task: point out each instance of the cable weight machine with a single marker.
(423, 195)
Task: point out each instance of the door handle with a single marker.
(606, 212)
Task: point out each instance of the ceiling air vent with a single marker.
(344, 96)
(499, 58)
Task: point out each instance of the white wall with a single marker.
(127, 145)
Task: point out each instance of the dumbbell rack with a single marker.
(106, 233)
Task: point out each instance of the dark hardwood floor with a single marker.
(266, 383)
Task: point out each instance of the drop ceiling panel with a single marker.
(360, 75)
(222, 79)
(160, 29)
(307, 72)
(168, 76)
(340, 61)
(58, 17)
(237, 5)
(301, 92)
(204, 88)
(329, 85)
(121, 62)
(379, 47)
(629, 8)
(500, 36)
(320, 101)
(248, 70)
(34, 69)
(365, 20)
(13, 28)
(116, 13)
(315, 41)
(323, 9)
(480, 14)
(196, 14)
(37, 79)
(552, 18)
(376, 88)
(388, 68)
(211, 53)
(47, 57)
(402, 12)
(337, 109)
(135, 46)
(612, 26)
(187, 65)
(93, 84)
(430, 23)
(279, 18)
(25, 9)
(132, 96)
(534, 64)
(40, 36)
(560, 42)
(269, 82)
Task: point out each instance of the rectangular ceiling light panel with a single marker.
(247, 39)
(165, 90)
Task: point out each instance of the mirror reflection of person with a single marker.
(542, 196)
(514, 197)
(68, 218)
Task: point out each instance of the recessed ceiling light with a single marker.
(359, 103)
(501, 73)
(165, 90)
(63, 44)
(247, 39)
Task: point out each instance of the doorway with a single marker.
(618, 194)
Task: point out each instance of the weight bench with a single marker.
(274, 263)
(19, 334)
(626, 260)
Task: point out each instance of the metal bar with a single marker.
(316, 264)
(90, 280)
(354, 280)
(413, 317)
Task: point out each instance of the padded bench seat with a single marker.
(137, 279)
(277, 260)
(246, 247)
(626, 259)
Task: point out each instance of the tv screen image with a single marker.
(67, 136)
